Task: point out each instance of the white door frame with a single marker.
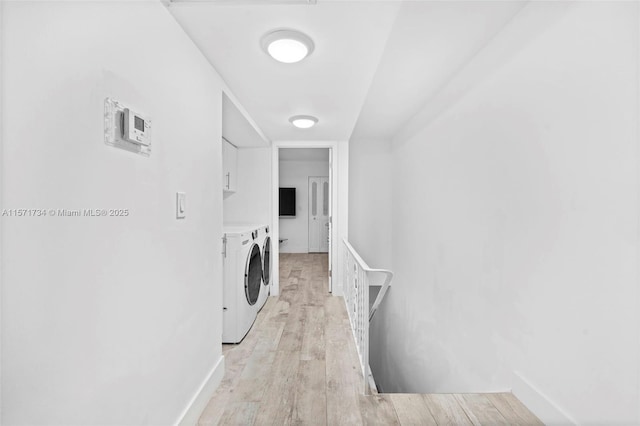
(638, 189)
(2, 41)
(339, 205)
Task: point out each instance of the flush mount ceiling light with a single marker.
(303, 121)
(288, 46)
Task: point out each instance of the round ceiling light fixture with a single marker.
(288, 46)
(303, 121)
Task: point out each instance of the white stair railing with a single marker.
(356, 282)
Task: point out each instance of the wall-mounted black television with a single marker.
(287, 202)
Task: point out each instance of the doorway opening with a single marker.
(304, 209)
(306, 212)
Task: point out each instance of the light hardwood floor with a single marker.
(298, 365)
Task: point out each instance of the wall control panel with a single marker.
(126, 128)
(135, 127)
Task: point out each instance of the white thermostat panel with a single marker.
(126, 129)
(135, 127)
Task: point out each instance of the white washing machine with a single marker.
(242, 281)
(264, 239)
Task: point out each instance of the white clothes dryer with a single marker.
(264, 239)
(242, 281)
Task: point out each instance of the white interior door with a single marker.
(319, 194)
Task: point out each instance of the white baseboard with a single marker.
(539, 404)
(198, 403)
(293, 249)
(299, 249)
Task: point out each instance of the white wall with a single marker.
(370, 206)
(111, 320)
(251, 203)
(295, 174)
(516, 244)
(370, 214)
(341, 216)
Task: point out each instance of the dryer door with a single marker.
(253, 275)
(266, 261)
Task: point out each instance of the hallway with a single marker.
(484, 154)
(298, 364)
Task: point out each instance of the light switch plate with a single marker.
(181, 205)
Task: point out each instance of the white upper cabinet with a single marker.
(238, 131)
(229, 167)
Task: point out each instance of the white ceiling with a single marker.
(375, 64)
(430, 42)
(304, 154)
(235, 127)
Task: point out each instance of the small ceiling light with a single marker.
(303, 121)
(288, 46)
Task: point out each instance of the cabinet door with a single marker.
(229, 167)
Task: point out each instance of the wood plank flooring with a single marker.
(299, 365)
